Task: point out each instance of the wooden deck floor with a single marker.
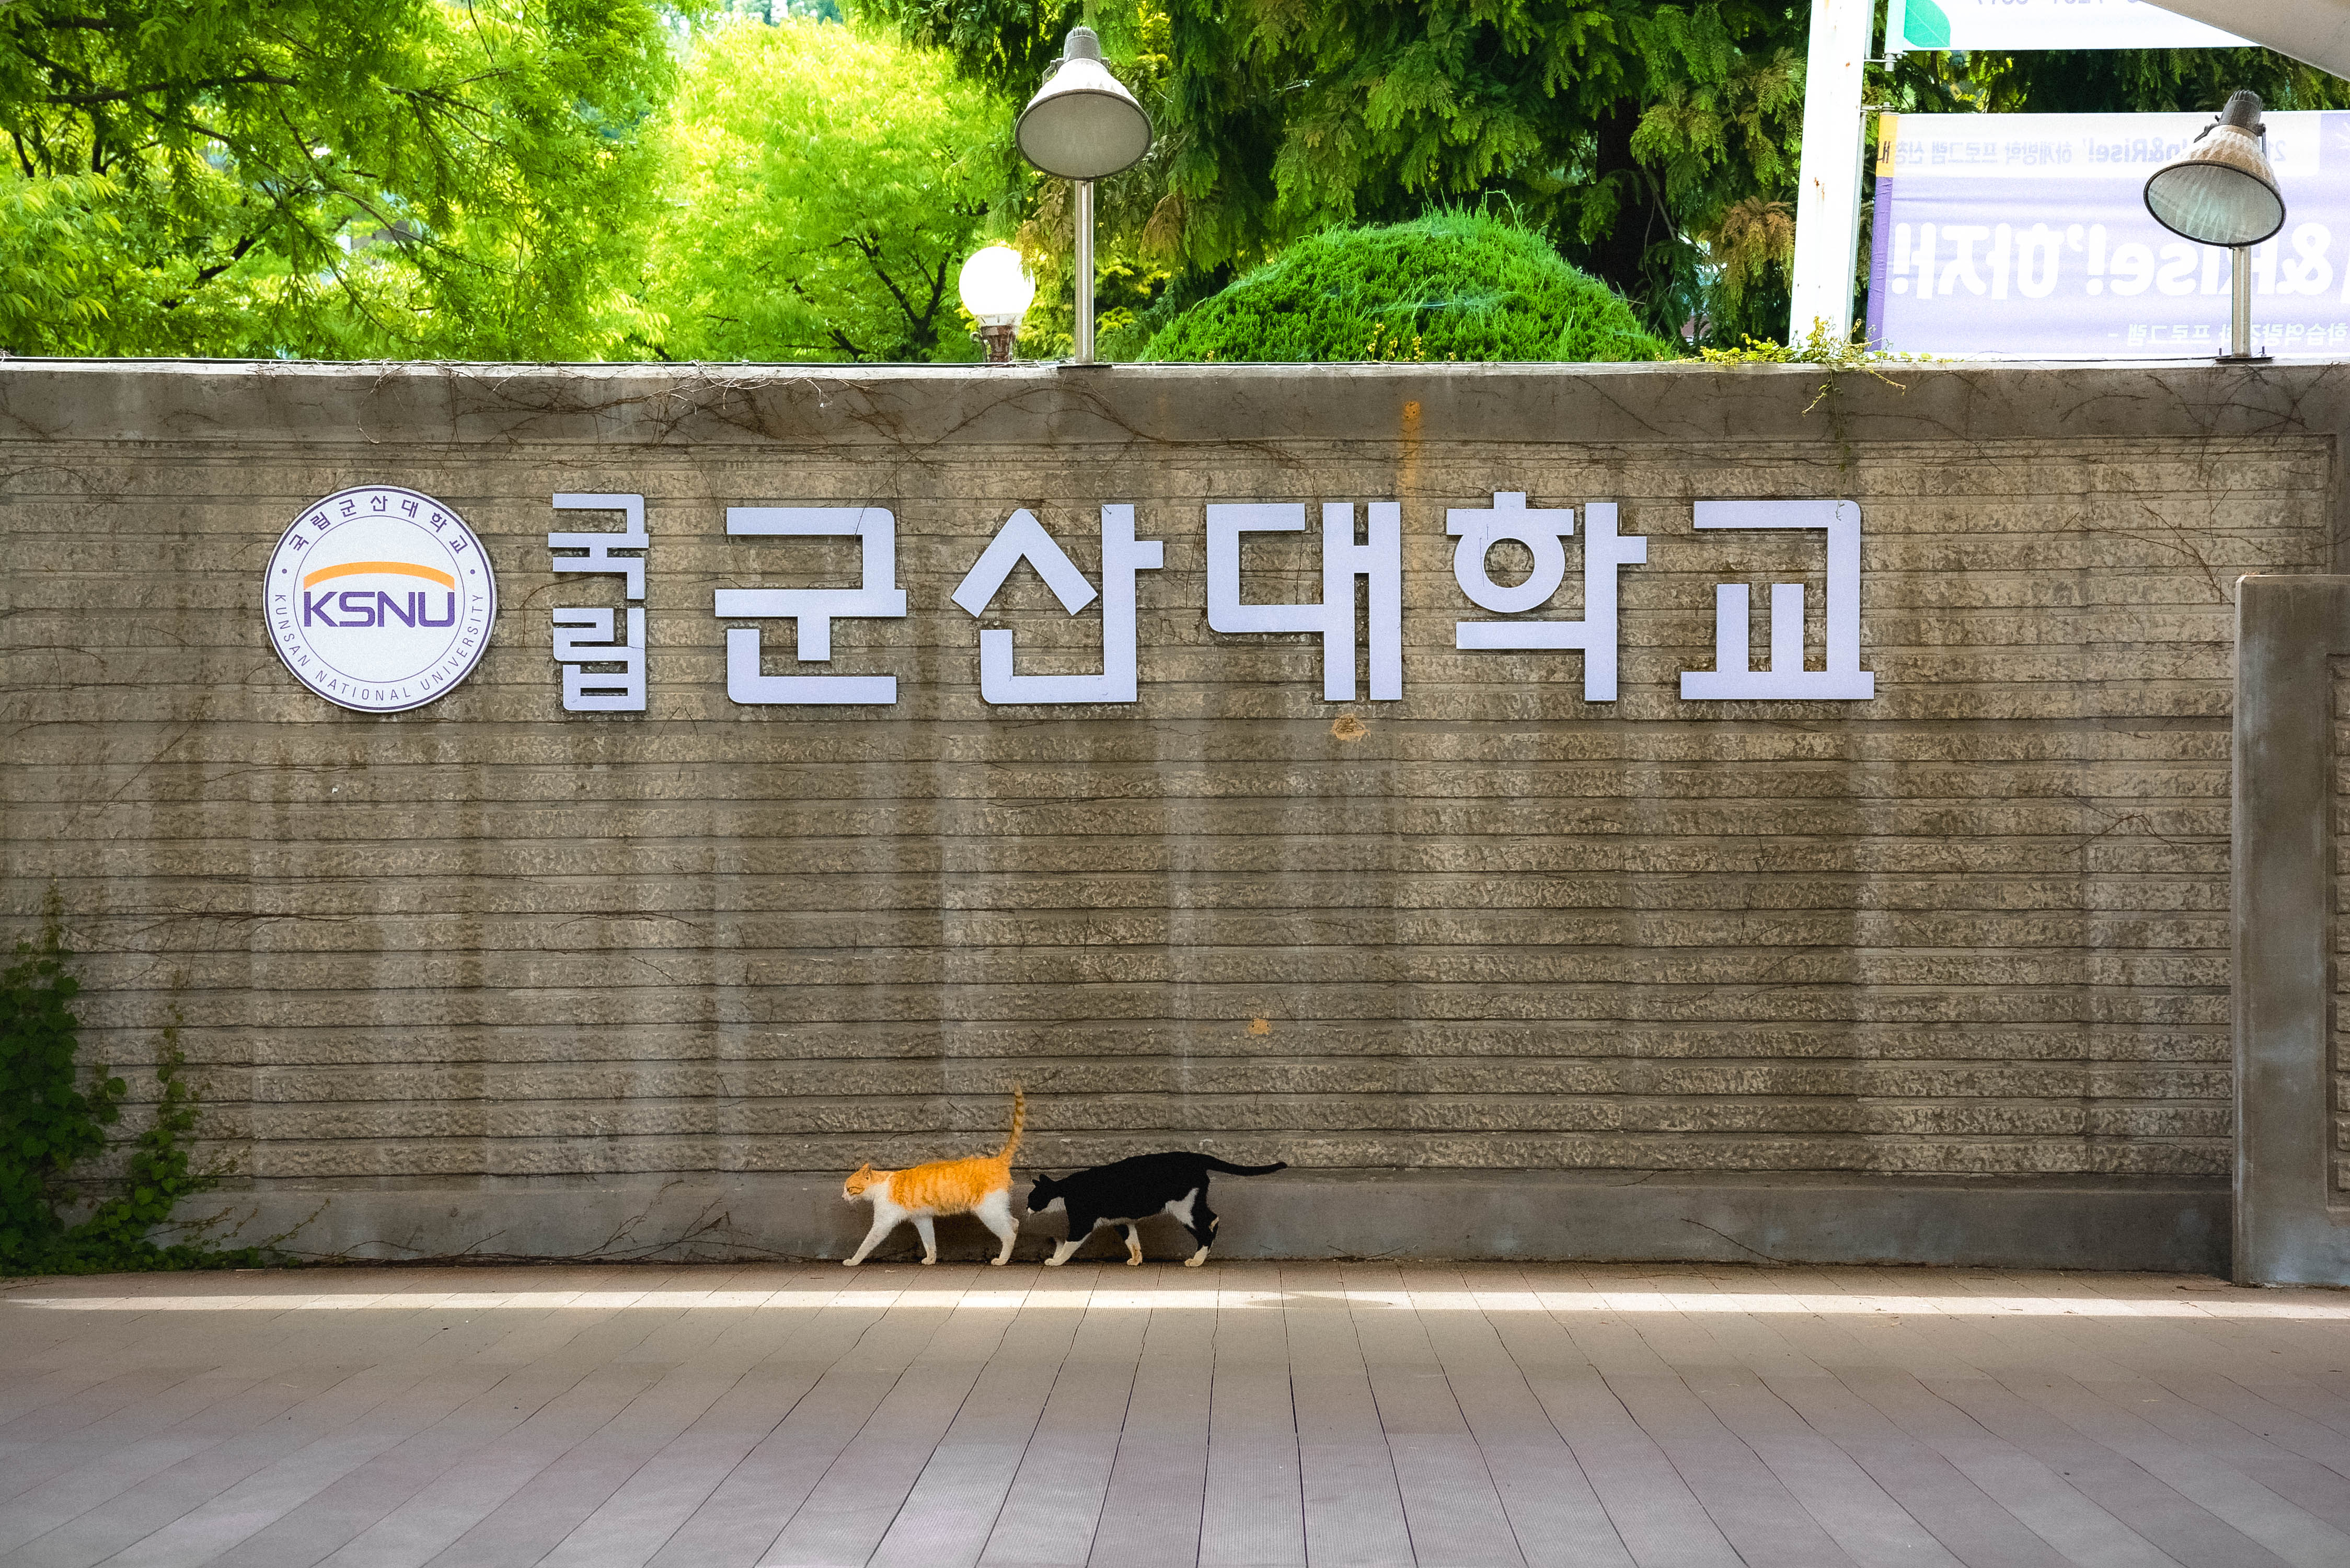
(1235, 1415)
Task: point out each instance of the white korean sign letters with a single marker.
(1025, 538)
(1541, 530)
(603, 655)
(812, 610)
(784, 657)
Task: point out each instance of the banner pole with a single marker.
(1827, 196)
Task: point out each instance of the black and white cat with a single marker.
(1131, 1191)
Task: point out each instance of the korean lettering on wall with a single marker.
(602, 649)
(601, 652)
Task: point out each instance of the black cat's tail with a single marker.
(1212, 1163)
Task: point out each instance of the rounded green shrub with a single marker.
(1452, 285)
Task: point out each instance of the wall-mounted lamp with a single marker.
(1083, 125)
(2222, 191)
(996, 290)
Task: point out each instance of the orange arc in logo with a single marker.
(398, 569)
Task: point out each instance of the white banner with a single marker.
(2044, 24)
(2026, 237)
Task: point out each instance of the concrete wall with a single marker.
(1952, 960)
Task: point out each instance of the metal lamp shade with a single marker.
(2221, 191)
(1083, 124)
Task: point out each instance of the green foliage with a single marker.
(774, 11)
(1656, 145)
(1450, 286)
(326, 178)
(825, 185)
(49, 1123)
(1821, 348)
(1624, 130)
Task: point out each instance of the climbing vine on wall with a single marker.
(52, 1120)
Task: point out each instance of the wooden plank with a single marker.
(2308, 1484)
(1556, 1517)
(954, 1503)
(850, 1508)
(32, 1460)
(2041, 1498)
(98, 1479)
(1846, 1501)
(1450, 1501)
(818, 1392)
(641, 1514)
(2170, 1521)
(1055, 1505)
(2210, 1479)
(299, 1463)
(1966, 1520)
(1353, 1505)
(1749, 1504)
(1151, 1512)
(1253, 1512)
(607, 1419)
(1653, 1512)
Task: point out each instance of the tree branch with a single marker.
(129, 95)
(871, 251)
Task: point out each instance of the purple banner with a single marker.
(2026, 237)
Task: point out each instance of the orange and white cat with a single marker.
(979, 1186)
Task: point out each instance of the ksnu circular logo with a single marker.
(380, 598)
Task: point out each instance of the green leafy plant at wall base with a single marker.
(49, 1123)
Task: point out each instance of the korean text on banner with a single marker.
(2026, 237)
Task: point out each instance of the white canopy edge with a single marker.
(2316, 31)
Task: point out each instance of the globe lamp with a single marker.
(996, 290)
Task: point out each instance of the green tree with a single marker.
(325, 178)
(824, 184)
(1656, 144)
(1627, 131)
(1450, 286)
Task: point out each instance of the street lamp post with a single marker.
(2222, 191)
(997, 289)
(1083, 125)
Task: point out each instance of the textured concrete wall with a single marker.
(1973, 930)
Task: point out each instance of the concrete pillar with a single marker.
(2292, 1226)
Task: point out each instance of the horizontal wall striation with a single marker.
(1975, 925)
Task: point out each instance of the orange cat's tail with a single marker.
(1019, 1125)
